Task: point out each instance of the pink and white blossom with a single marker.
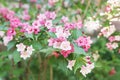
(20, 47)
(65, 45)
(71, 63)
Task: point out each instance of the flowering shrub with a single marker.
(44, 39)
(46, 34)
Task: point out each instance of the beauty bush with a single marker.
(47, 31)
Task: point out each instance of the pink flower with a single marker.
(112, 46)
(111, 38)
(7, 39)
(52, 2)
(65, 45)
(20, 47)
(64, 19)
(69, 26)
(66, 53)
(11, 32)
(48, 24)
(15, 22)
(36, 30)
(108, 8)
(50, 15)
(52, 29)
(109, 46)
(56, 44)
(36, 24)
(79, 24)
(84, 42)
(51, 41)
(87, 58)
(71, 63)
(26, 17)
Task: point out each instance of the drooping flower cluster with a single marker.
(25, 51)
(85, 69)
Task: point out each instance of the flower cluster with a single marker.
(25, 51)
(87, 68)
(107, 31)
(91, 25)
(84, 42)
(14, 23)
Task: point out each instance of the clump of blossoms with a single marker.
(110, 32)
(62, 36)
(87, 68)
(25, 51)
(91, 25)
(112, 10)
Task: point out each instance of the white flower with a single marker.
(91, 25)
(2, 33)
(24, 55)
(20, 47)
(60, 32)
(30, 49)
(59, 29)
(90, 66)
(71, 63)
(107, 31)
(117, 38)
(87, 69)
(114, 45)
(65, 45)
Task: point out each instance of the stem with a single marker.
(40, 67)
(51, 73)
(45, 69)
(88, 4)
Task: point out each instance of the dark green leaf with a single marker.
(10, 45)
(16, 56)
(76, 34)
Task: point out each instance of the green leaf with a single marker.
(79, 62)
(36, 45)
(76, 33)
(48, 50)
(78, 50)
(52, 34)
(29, 36)
(16, 56)
(10, 45)
(4, 53)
